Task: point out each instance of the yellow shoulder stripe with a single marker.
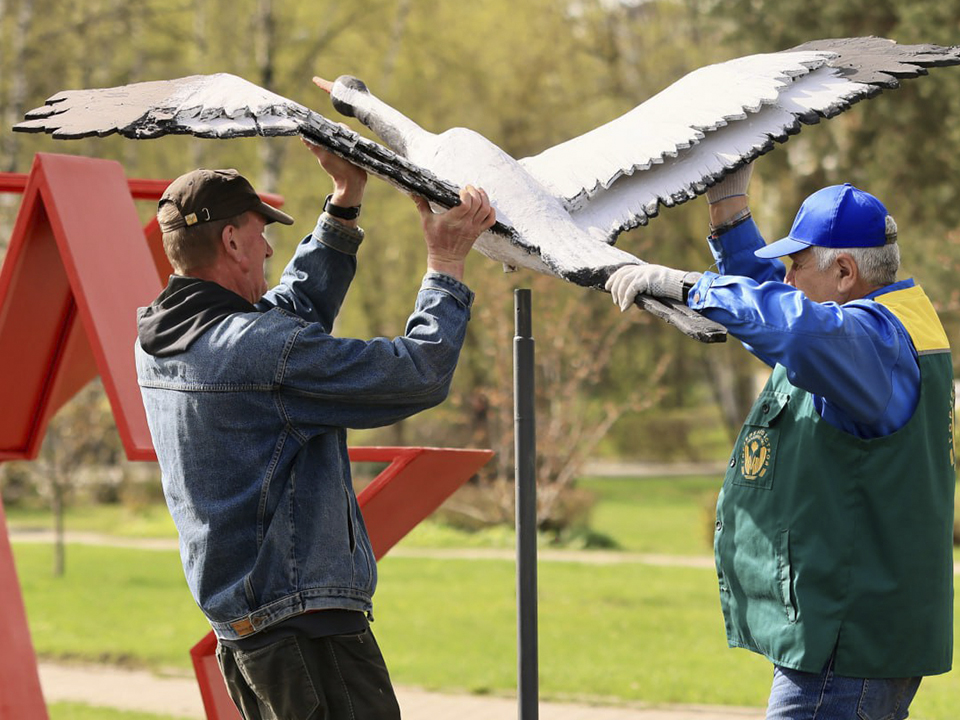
(914, 309)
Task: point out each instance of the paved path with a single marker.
(136, 690)
(591, 557)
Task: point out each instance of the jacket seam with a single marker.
(279, 380)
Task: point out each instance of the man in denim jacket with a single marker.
(248, 398)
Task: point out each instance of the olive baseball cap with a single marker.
(204, 195)
(839, 216)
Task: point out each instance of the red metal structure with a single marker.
(78, 265)
(75, 267)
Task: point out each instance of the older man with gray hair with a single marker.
(835, 522)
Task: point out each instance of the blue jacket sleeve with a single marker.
(733, 253)
(340, 382)
(856, 359)
(315, 281)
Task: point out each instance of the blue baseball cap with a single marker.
(839, 216)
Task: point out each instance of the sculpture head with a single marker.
(340, 104)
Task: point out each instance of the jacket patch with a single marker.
(757, 453)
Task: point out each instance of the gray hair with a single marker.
(878, 265)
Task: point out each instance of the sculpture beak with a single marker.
(322, 84)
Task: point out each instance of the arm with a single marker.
(315, 282)
(733, 239)
(340, 382)
(733, 234)
(856, 358)
(332, 382)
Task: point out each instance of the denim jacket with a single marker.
(249, 425)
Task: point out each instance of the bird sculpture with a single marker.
(561, 211)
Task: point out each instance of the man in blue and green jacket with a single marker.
(834, 529)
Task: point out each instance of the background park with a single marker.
(628, 599)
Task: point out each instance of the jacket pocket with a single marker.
(785, 576)
(754, 457)
(279, 677)
(348, 510)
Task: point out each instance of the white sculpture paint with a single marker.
(569, 203)
(559, 212)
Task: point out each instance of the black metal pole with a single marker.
(525, 446)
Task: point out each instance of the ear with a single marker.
(849, 273)
(229, 242)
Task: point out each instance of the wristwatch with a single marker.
(344, 213)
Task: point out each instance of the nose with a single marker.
(269, 248)
(791, 277)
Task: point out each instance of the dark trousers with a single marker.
(342, 677)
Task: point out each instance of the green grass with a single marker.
(628, 632)
(147, 521)
(672, 515)
(669, 515)
(657, 515)
(81, 711)
(116, 605)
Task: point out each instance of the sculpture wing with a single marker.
(223, 106)
(675, 145)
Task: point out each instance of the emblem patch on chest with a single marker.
(756, 455)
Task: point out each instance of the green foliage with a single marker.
(609, 384)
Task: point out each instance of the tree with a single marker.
(81, 436)
(903, 147)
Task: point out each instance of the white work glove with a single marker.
(733, 185)
(631, 280)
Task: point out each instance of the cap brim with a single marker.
(786, 246)
(273, 215)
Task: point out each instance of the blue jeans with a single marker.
(798, 695)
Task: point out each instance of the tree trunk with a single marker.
(18, 83)
(397, 32)
(731, 380)
(271, 152)
(59, 545)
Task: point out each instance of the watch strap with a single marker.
(344, 213)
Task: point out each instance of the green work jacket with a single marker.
(826, 541)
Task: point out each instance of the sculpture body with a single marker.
(558, 212)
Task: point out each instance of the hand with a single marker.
(729, 196)
(631, 280)
(733, 185)
(451, 234)
(349, 181)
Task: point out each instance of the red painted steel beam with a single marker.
(74, 274)
(75, 271)
(21, 696)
